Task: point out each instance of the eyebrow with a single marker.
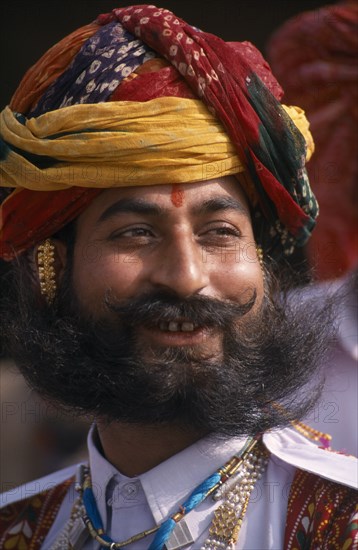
(136, 206)
(141, 206)
(216, 204)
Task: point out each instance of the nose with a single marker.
(181, 268)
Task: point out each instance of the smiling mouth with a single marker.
(176, 333)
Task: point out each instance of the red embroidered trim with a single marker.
(321, 515)
(26, 523)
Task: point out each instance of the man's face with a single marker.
(190, 240)
(161, 318)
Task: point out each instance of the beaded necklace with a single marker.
(232, 484)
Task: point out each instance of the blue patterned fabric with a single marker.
(105, 59)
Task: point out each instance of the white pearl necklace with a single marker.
(235, 493)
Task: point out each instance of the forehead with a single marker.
(191, 195)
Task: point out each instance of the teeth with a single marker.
(173, 326)
(187, 327)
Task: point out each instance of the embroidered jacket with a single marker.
(321, 515)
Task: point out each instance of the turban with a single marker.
(314, 55)
(139, 97)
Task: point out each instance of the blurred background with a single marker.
(35, 438)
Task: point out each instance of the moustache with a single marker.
(153, 308)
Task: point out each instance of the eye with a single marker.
(219, 235)
(136, 233)
(222, 231)
(225, 231)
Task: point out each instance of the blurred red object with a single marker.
(315, 58)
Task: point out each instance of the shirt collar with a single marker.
(169, 483)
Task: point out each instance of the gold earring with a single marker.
(260, 256)
(46, 270)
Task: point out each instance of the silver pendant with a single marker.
(78, 534)
(180, 537)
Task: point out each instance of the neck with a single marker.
(134, 449)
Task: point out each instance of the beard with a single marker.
(257, 380)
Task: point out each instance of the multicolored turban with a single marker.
(141, 98)
(315, 57)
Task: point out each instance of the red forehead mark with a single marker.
(177, 196)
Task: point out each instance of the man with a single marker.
(139, 222)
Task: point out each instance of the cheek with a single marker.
(238, 279)
(97, 271)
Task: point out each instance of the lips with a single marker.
(178, 332)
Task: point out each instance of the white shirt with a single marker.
(130, 505)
